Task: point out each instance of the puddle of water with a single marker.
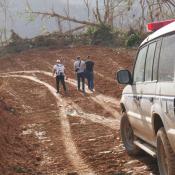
(105, 152)
(82, 122)
(71, 112)
(32, 125)
(28, 109)
(27, 132)
(46, 159)
(90, 140)
(74, 124)
(46, 140)
(40, 135)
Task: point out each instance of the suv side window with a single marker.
(167, 59)
(149, 61)
(156, 59)
(140, 65)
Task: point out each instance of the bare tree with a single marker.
(4, 7)
(68, 14)
(103, 14)
(65, 18)
(86, 2)
(59, 25)
(171, 2)
(152, 10)
(108, 12)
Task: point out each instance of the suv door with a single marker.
(166, 86)
(148, 91)
(134, 110)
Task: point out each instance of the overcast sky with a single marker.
(19, 22)
(18, 19)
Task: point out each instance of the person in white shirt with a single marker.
(79, 67)
(59, 71)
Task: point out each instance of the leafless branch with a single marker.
(65, 18)
(88, 8)
(75, 29)
(98, 13)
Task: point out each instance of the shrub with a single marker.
(90, 31)
(101, 35)
(119, 38)
(133, 40)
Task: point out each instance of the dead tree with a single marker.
(4, 7)
(65, 18)
(67, 11)
(104, 16)
(59, 25)
(86, 2)
(171, 2)
(107, 11)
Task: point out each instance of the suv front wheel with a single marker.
(127, 136)
(165, 154)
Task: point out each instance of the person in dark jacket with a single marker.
(89, 71)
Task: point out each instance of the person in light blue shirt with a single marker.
(79, 67)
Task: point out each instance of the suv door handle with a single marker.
(151, 99)
(172, 108)
(138, 98)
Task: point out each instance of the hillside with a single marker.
(49, 134)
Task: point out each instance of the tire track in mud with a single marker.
(65, 109)
(76, 110)
(106, 78)
(101, 99)
(80, 166)
(70, 105)
(107, 107)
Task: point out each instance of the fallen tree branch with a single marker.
(66, 18)
(75, 29)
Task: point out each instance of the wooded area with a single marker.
(120, 15)
(111, 11)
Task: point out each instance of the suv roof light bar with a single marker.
(152, 27)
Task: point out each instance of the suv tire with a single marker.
(127, 136)
(165, 154)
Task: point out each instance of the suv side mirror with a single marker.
(124, 77)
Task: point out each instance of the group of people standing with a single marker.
(83, 70)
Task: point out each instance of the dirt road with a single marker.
(64, 134)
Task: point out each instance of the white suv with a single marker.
(148, 100)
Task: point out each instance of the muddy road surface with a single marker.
(45, 133)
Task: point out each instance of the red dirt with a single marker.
(86, 104)
(31, 135)
(16, 154)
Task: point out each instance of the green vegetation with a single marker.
(133, 40)
(106, 36)
(102, 35)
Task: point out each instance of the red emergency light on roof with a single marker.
(151, 27)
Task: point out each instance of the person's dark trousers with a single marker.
(59, 79)
(81, 78)
(90, 78)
